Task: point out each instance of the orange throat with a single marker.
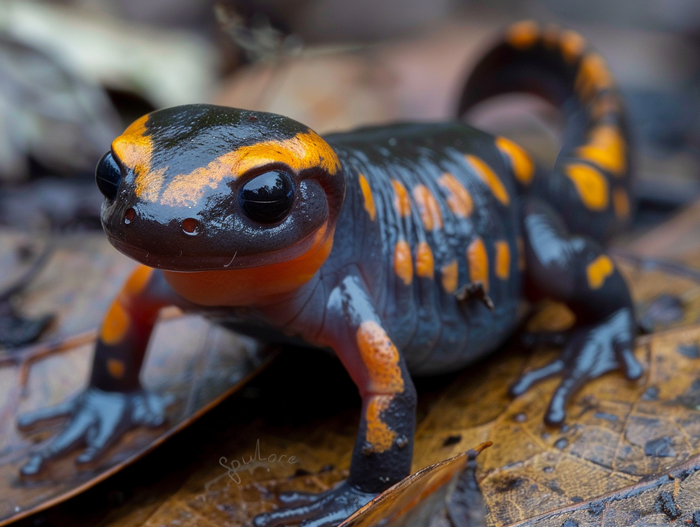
(254, 286)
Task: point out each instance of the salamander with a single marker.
(404, 249)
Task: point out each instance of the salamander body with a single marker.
(405, 249)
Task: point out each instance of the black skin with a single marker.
(434, 327)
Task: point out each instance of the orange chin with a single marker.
(254, 286)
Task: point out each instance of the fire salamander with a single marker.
(404, 249)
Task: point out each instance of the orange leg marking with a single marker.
(590, 184)
(116, 368)
(115, 324)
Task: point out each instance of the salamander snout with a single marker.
(108, 175)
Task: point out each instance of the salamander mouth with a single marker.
(202, 262)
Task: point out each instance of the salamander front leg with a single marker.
(114, 400)
(575, 270)
(384, 444)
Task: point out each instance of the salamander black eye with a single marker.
(268, 197)
(108, 176)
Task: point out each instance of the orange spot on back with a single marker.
(450, 277)
(572, 45)
(489, 177)
(459, 200)
(521, 163)
(590, 184)
(115, 324)
(303, 151)
(593, 75)
(425, 263)
(403, 264)
(401, 201)
(523, 35)
(369, 199)
(478, 263)
(502, 259)
(605, 148)
(598, 270)
(428, 208)
(115, 368)
(621, 203)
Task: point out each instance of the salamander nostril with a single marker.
(129, 215)
(190, 226)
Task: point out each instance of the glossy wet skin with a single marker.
(186, 183)
(406, 248)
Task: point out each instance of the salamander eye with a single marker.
(108, 176)
(268, 197)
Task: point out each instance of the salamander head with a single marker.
(203, 187)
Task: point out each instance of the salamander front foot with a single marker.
(591, 351)
(325, 509)
(96, 419)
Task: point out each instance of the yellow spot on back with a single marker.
(115, 324)
(303, 151)
(369, 199)
(478, 263)
(593, 75)
(572, 45)
(401, 201)
(489, 177)
(621, 203)
(598, 270)
(403, 263)
(427, 208)
(459, 200)
(605, 148)
(523, 167)
(523, 35)
(115, 368)
(590, 184)
(502, 259)
(450, 277)
(425, 263)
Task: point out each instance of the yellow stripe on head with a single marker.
(303, 151)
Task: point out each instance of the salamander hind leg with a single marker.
(576, 271)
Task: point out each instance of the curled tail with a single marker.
(590, 184)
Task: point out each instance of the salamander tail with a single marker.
(590, 185)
